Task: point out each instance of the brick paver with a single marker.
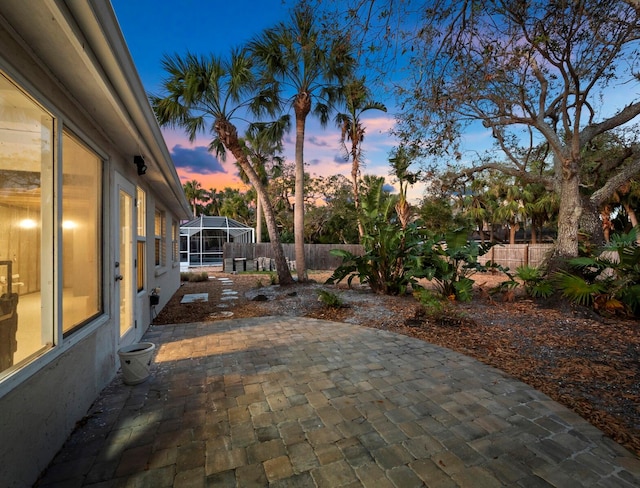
(301, 402)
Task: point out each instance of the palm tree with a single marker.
(213, 202)
(208, 93)
(511, 209)
(357, 101)
(262, 151)
(295, 57)
(194, 193)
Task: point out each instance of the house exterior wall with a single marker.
(42, 400)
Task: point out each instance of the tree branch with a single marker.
(616, 181)
(524, 176)
(625, 115)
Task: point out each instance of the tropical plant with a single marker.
(207, 93)
(357, 101)
(534, 281)
(450, 261)
(389, 248)
(297, 61)
(608, 280)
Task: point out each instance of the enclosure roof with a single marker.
(214, 222)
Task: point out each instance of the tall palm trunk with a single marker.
(355, 173)
(258, 219)
(513, 228)
(302, 108)
(229, 136)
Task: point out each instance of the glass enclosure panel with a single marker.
(26, 168)
(184, 254)
(81, 233)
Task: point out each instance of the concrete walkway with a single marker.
(301, 402)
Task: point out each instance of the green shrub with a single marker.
(397, 253)
(434, 304)
(330, 299)
(534, 282)
(438, 308)
(608, 280)
(450, 261)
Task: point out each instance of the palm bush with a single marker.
(608, 280)
(534, 281)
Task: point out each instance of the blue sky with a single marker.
(153, 28)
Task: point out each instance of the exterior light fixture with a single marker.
(139, 162)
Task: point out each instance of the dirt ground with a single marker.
(589, 363)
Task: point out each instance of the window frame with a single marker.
(141, 240)
(100, 228)
(160, 238)
(51, 246)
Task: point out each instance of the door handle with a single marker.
(119, 277)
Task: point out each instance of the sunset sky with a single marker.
(153, 28)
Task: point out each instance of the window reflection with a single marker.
(81, 217)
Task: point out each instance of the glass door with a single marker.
(124, 264)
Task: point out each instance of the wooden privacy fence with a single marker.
(250, 257)
(514, 255)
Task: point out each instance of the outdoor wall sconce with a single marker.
(139, 162)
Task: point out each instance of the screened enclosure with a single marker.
(202, 239)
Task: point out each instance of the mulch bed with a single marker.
(589, 363)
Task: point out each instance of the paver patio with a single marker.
(296, 402)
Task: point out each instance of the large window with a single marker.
(26, 226)
(81, 233)
(36, 188)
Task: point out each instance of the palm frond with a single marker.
(578, 290)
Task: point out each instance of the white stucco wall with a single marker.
(37, 417)
(41, 403)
